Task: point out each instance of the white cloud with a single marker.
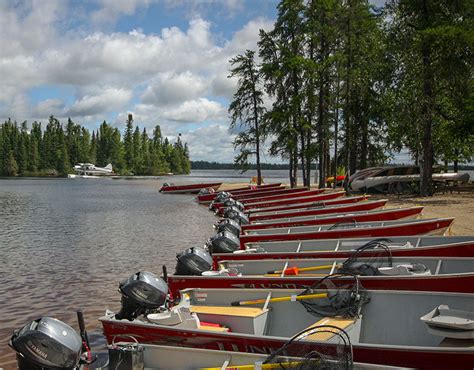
(172, 88)
(213, 143)
(198, 110)
(108, 100)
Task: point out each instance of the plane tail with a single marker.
(109, 167)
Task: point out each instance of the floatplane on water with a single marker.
(89, 170)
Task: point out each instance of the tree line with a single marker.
(205, 165)
(56, 149)
(345, 84)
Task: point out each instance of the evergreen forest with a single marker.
(347, 85)
(54, 150)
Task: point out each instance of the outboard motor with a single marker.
(193, 261)
(222, 196)
(141, 292)
(45, 344)
(223, 242)
(236, 214)
(230, 225)
(231, 202)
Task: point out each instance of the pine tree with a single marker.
(247, 110)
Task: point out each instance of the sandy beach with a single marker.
(458, 205)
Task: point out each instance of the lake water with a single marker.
(66, 244)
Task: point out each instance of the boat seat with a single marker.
(326, 335)
(218, 329)
(228, 310)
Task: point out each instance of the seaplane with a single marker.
(89, 170)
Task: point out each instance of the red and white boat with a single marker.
(309, 205)
(271, 196)
(338, 206)
(188, 188)
(382, 272)
(423, 330)
(292, 201)
(364, 216)
(207, 198)
(435, 226)
(401, 246)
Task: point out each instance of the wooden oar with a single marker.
(291, 298)
(296, 270)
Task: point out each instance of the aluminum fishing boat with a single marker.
(339, 206)
(188, 188)
(262, 204)
(401, 246)
(363, 216)
(435, 226)
(208, 197)
(382, 272)
(423, 330)
(162, 357)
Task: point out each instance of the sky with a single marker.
(164, 61)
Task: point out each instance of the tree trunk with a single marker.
(426, 184)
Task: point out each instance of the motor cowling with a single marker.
(231, 202)
(47, 343)
(193, 261)
(223, 242)
(141, 292)
(230, 225)
(236, 214)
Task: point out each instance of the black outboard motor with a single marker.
(222, 196)
(231, 202)
(230, 225)
(223, 242)
(45, 344)
(193, 261)
(236, 214)
(141, 292)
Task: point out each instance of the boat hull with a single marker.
(279, 195)
(459, 249)
(190, 188)
(385, 215)
(427, 227)
(456, 283)
(208, 198)
(414, 357)
(333, 208)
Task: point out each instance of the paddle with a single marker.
(292, 298)
(296, 270)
